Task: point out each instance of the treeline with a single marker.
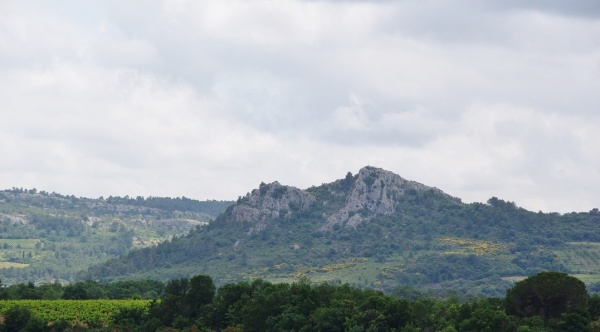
(548, 301)
(211, 207)
(84, 290)
(43, 198)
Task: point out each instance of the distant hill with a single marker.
(46, 237)
(373, 229)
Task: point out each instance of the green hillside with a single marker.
(373, 229)
(47, 237)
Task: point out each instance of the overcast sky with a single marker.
(206, 99)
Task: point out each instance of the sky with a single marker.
(207, 99)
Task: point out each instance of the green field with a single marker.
(581, 257)
(90, 313)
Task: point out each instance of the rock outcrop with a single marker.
(375, 191)
(271, 201)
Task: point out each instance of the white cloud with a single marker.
(112, 47)
(206, 99)
(276, 24)
(351, 117)
(521, 155)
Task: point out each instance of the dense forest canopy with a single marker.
(196, 304)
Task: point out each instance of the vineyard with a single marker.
(90, 313)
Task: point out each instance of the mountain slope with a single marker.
(373, 229)
(46, 237)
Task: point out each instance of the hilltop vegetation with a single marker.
(47, 237)
(373, 230)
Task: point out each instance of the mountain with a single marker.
(47, 237)
(373, 229)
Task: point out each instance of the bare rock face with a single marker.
(270, 201)
(14, 218)
(376, 191)
(372, 192)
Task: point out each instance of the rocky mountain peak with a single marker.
(271, 201)
(375, 191)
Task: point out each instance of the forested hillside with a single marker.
(376, 230)
(46, 237)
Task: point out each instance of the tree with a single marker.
(183, 300)
(85, 290)
(574, 322)
(484, 315)
(172, 300)
(546, 294)
(17, 318)
(201, 292)
(593, 306)
(223, 314)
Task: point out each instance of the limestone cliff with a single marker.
(375, 191)
(270, 201)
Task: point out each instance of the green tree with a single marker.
(486, 319)
(85, 290)
(201, 292)
(172, 300)
(16, 319)
(547, 294)
(183, 300)
(227, 296)
(594, 306)
(574, 322)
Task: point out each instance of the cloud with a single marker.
(207, 99)
(90, 123)
(521, 153)
(351, 117)
(586, 8)
(358, 124)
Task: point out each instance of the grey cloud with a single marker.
(581, 8)
(164, 97)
